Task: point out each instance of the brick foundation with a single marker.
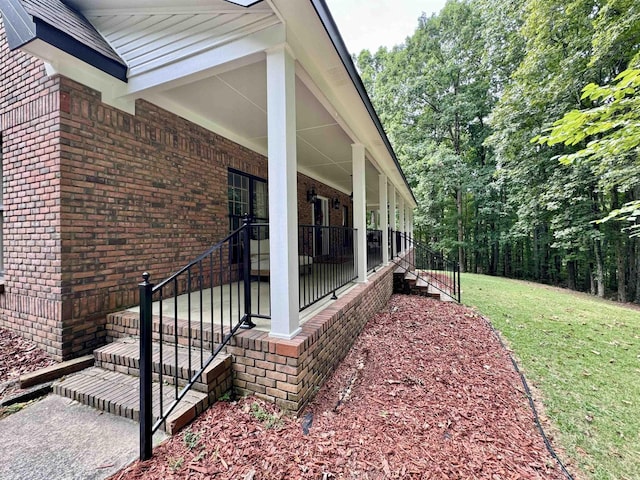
(288, 372)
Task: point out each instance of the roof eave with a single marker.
(70, 45)
(23, 28)
(18, 24)
(332, 30)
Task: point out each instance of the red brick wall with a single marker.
(29, 125)
(139, 193)
(304, 208)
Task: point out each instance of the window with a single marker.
(247, 195)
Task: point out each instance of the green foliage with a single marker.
(580, 353)
(270, 420)
(191, 439)
(226, 396)
(175, 463)
(609, 134)
(461, 101)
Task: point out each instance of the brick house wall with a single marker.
(29, 127)
(94, 196)
(304, 208)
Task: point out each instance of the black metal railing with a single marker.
(201, 306)
(327, 261)
(374, 249)
(439, 272)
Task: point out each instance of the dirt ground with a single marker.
(427, 392)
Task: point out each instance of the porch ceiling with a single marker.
(235, 102)
(204, 60)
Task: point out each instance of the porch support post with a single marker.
(283, 203)
(359, 210)
(384, 216)
(410, 223)
(402, 226)
(392, 218)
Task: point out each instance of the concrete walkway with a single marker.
(58, 438)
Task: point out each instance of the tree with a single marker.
(612, 131)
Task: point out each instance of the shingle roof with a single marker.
(71, 22)
(59, 25)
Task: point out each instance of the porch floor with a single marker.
(223, 304)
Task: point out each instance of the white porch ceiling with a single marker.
(231, 98)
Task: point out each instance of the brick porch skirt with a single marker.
(289, 372)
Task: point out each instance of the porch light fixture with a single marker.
(311, 195)
(336, 203)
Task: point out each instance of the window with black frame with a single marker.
(247, 194)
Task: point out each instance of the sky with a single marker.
(373, 23)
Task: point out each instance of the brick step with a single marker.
(126, 323)
(411, 277)
(123, 356)
(119, 394)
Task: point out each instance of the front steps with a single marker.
(416, 283)
(113, 384)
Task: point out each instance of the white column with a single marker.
(384, 216)
(359, 210)
(411, 222)
(392, 216)
(401, 226)
(283, 203)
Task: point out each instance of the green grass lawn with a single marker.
(583, 356)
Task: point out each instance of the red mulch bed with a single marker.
(18, 356)
(427, 392)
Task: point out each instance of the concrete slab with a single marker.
(62, 439)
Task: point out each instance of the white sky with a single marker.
(373, 23)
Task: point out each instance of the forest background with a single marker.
(517, 124)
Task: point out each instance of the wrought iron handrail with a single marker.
(440, 272)
(227, 261)
(326, 261)
(374, 249)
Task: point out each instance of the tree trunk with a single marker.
(571, 274)
(621, 269)
(599, 269)
(592, 282)
(460, 229)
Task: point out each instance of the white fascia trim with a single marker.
(58, 62)
(275, 10)
(173, 10)
(202, 64)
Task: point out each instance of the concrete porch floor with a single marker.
(222, 304)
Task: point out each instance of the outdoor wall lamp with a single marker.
(311, 195)
(336, 203)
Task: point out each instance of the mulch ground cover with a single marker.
(18, 356)
(427, 392)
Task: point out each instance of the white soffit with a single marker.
(151, 35)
